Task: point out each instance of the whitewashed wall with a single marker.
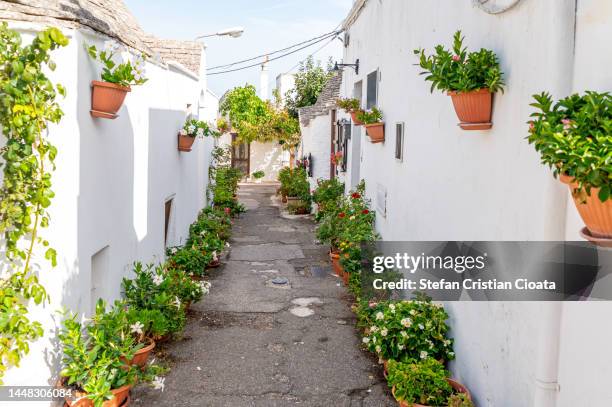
(111, 183)
(269, 158)
(489, 185)
(316, 140)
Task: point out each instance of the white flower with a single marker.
(191, 129)
(177, 302)
(373, 339)
(215, 257)
(374, 328)
(378, 349)
(384, 332)
(406, 322)
(400, 347)
(451, 354)
(173, 250)
(183, 132)
(421, 327)
(200, 132)
(227, 244)
(365, 339)
(447, 342)
(391, 306)
(158, 279)
(423, 354)
(158, 383)
(380, 315)
(404, 334)
(137, 328)
(412, 312)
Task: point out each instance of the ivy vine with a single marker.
(27, 105)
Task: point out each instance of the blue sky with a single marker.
(269, 25)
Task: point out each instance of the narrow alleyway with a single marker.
(252, 342)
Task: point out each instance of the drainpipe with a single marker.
(547, 367)
(562, 17)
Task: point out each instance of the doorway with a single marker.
(241, 156)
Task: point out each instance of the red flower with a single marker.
(456, 58)
(365, 211)
(341, 215)
(356, 195)
(227, 211)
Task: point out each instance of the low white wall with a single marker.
(486, 185)
(111, 183)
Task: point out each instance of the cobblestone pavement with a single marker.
(252, 342)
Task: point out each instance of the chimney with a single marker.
(263, 80)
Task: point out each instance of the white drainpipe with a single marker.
(547, 368)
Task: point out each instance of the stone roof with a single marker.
(109, 17)
(325, 102)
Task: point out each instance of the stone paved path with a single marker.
(250, 343)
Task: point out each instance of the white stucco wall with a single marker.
(316, 140)
(487, 185)
(269, 158)
(111, 183)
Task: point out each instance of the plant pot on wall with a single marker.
(596, 215)
(356, 121)
(376, 132)
(474, 108)
(107, 98)
(185, 143)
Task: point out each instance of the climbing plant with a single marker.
(27, 105)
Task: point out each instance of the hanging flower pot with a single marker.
(375, 127)
(376, 132)
(596, 215)
(191, 129)
(185, 142)
(572, 137)
(107, 98)
(480, 76)
(354, 114)
(474, 108)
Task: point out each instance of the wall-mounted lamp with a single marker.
(354, 66)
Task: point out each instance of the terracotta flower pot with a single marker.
(185, 143)
(107, 98)
(474, 108)
(214, 264)
(356, 121)
(142, 355)
(335, 259)
(121, 398)
(596, 215)
(458, 387)
(376, 131)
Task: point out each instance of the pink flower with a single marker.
(531, 126)
(567, 124)
(456, 58)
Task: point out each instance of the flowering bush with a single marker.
(423, 382)
(294, 183)
(147, 323)
(191, 259)
(126, 73)
(573, 137)
(197, 128)
(211, 221)
(94, 354)
(456, 70)
(403, 330)
(326, 196)
(225, 187)
(370, 116)
(151, 290)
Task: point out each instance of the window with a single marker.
(342, 141)
(399, 141)
(167, 216)
(372, 89)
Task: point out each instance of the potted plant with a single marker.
(336, 158)
(258, 175)
(470, 79)
(572, 136)
(327, 195)
(222, 125)
(117, 78)
(94, 359)
(425, 383)
(191, 129)
(375, 127)
(402, 330)
(351, 106)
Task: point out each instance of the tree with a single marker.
(309, 82)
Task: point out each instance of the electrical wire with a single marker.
(334, 35)
(327, 35)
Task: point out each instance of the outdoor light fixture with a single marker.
(233, 32)
(354, 66)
